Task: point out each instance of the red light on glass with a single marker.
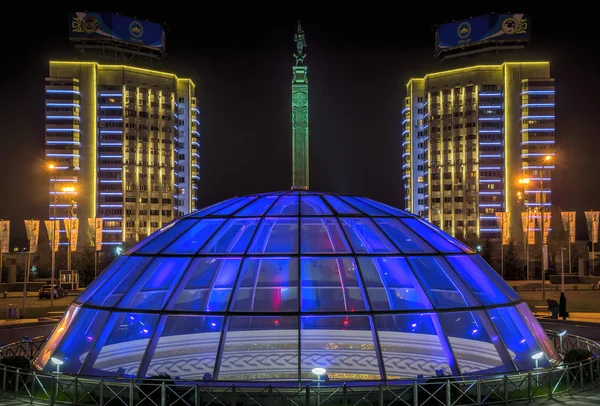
(276, 322)
(346, 322)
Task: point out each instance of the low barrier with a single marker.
(53, 388)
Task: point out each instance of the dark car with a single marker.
(45, 292)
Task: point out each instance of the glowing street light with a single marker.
(58, 362)
(319, 371)
(537, 357)
(560, 337)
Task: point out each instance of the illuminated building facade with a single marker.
(468, 135)
(127, 141)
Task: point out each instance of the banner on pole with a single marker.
(95, 224)
(591, 217)
(503, 220)
(32, 227)
(568, 220)
(53, 225)
(72, 230)
(4, 235)
(546, 217)
(528, 221)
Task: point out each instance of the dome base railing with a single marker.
(52, 388)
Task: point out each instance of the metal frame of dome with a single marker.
(269, 286)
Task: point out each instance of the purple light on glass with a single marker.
(90, 338)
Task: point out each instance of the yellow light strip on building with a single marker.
(124, 67)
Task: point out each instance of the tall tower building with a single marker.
(468, 136)
(124, 143)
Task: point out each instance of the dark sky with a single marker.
(357, 65)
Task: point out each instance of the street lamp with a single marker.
(319, 372)
(537, 357)
(52, 169)
(57, 362)
(560, 337)
(70, 190)
(547, 159)
(525, 181)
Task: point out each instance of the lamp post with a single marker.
(562, 268)
(319, 372)
(520, 197)
(560, 337)
(70, 190)
(547, 159)
(52, 170)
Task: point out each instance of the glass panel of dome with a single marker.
(485, 290)
(430, 235)
(340, 206)
(366, 237)
(330, 284)
(123, 350)
(83, 333)
(232, 238)
(260, 348)
(267, 285)
(165, 238)
(313, 206)
(187, 347)
(444, 287)
(286, 206)
(114, 288)
(391, 285)
(322, 235)
(104, 276)
(474, 342)
(193, 239)
(154, 235)
(232, 208)
(411, 346)
(448, 237)
(56, 336)
(406, 239)
(206, 285)
(214, 207)
(364, 207)
(384, 207)
(153, 288)
(343, 345)
(276, 236)
(539, 334)
(492, 275)
(257, 207)
(516, 337)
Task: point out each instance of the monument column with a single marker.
(300, 115)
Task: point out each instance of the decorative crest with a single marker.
(300, 40)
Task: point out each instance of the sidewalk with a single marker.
(581, 317)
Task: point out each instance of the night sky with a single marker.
(358, 66)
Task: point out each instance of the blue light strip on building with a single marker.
(540, 130)
(62, 91)
(60, 130)
(490, 119)
(537, 142)
(490, 143)
(538, 105)
(537, 92)
(490, 131)
(112, 119)
(62, 105)
(111, 107)
(111, 94)
(63, 118)
(63, 142)
(491, 106)
(111, 131)
(487, 94)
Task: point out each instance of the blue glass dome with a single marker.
(270, 286)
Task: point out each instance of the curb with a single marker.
(568, 322)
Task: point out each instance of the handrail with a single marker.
(479, 389)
